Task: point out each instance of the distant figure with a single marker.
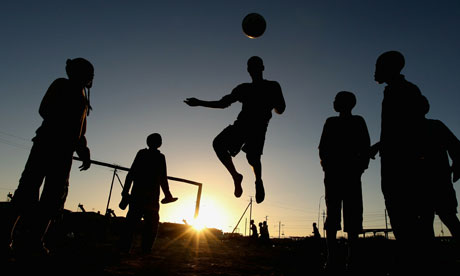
(440, 144)
(316, 233)
(259, 98)
(264, 234)
(147, 174)
(400, 157)
(254, 234)
(64, 109)
(261, 229)
(344, 154)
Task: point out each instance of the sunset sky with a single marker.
(151, 55)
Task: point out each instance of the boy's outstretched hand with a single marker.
(192, 101)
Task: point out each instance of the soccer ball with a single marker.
(254, 25)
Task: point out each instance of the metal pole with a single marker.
(279, 230)
(116, 167)
(198, 199)
(324, 222)
(386, 225)
(241, 217)
(110, 193)
(245, 225)
(319, 207)
(250, 215)
(126, 169)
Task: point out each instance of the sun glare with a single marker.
(198, 225)
(211, 213)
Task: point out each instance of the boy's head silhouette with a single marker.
(81, 71)
(344, 102)
(388, 66)
(255, 67)
(154, 141)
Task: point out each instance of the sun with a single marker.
(212, 214)
(198, 225)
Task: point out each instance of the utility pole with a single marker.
(279, 230)
(324, 222)
(245, 225)
(250, 215)
(386, 225)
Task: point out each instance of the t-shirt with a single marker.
(149, 173)
(402, 117)
(258, 100)
(344, 144)
(63, 110)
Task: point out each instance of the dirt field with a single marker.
(93, 251)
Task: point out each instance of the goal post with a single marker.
(117, 167)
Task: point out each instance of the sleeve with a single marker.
(365, 145)
(82, 145)
(51, 102)
(164, 178)
(233, 97)
(130, 175)
(452, 143)
(323, 144)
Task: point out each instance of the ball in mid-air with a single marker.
(254, 25)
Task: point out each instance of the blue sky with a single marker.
(151, 55)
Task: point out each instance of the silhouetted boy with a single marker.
(344, 154)
(254, 234)
(400, 154)
(147, 174)
(64, 109)
(440, 144)
(259, 98)
(264, 234)
(316, 233)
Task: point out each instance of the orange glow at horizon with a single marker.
(212, 214)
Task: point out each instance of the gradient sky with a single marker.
(151, 55)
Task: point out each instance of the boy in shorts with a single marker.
(344, 154)
(247, 133)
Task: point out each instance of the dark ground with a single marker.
(87, 246)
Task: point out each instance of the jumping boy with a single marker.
(247, 133)
(344, 154)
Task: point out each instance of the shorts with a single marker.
(344, 190)
(236, 137)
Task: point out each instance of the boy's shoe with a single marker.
(260, 191)
(238, 188)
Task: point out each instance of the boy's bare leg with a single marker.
(226, 160)
(254, 161)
